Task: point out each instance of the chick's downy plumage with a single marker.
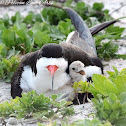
(77, 71)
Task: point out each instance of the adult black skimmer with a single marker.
(37, 70)
(48, 68)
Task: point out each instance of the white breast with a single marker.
(42, 81)
(90, 70)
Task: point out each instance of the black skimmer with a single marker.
(37, 70)
(77, 71)
(48, 68)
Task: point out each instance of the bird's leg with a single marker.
(77, 98)
(85, 96)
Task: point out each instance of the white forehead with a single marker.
(44, 62)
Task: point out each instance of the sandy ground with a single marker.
(82, 111)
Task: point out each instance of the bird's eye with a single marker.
(73, 68)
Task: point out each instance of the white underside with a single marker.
(70, 36)
(90, 70)
(42, 81)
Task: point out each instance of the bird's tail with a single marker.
(82, 37)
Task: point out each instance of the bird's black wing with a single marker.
(83, 35)
(82, 28)
(97, 28)
(73, 53)
(30, 60)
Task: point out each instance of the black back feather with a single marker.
(29, 59)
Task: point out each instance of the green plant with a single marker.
(109, 93)
(48, 15)
(6, 109)
(37, 106)
(3, 51)
(108, 49)
(7, 67)
(85, 122)
(30, 33)
(81, 88)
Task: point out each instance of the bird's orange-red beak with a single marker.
(52, 69)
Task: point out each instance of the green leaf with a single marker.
(112, 106)
(53, 97)
(93, 90)
(113, 75)
(66, 27)
(121, 83)
(48, 15)
(107, 105)
(122, 97)
(116, 71)
(75, 86)
(87, 122)
(3, 51)
(2, 27)
(21, 34)
(120, 122)
(41, 38)
(121, 56)
(115, 30)
(123, 72)
(38, 26)
(80, 5)
(31, 18)
(112, 98)
(123, 112)
(6, 20)
(9, 38)
(103, 85)
(37, 106)
(92, 21)
(7, 68)
(16, 18)
(98, 6)
(68, 3)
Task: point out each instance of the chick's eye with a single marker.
(73, 68)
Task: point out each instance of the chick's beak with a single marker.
(82, 72)
(52, 69)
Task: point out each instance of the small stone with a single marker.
(12, 121)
